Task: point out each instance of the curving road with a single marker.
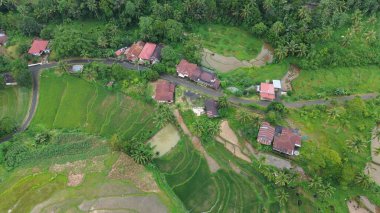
(36, 70)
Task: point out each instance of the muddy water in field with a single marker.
(165, 140)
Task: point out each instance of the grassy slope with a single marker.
(14, 102)
(322, 82)
(69, 102)
(246, 77)
(229, 41)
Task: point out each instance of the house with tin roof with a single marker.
(147, 52)
(267, 92)
(286, 141)
(133, 52)
(211, 107)
(266, 134)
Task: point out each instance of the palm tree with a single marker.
(326, 191)
(281, 52)
(268, 5)
(370, 36)
(282, 179)
(292, 47)
(198, 127)
(223, 102)
(62, 67)
(90, 75)
(316, 183)
(372, 20)
(363, 180)
(244, 116)
(302, 50)
(357, 144)
(282, 197)
(142, 154)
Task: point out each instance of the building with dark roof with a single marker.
(9, 79)
(286, 141)
(197, 74)
(211, 107)
(156, 56)
(164, 92)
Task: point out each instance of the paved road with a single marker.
(35, 70)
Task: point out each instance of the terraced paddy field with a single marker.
(14, 102)
(72, 103)
(236, 187)
(80, 179)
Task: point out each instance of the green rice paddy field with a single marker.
(187, 173)
(14, 102)
(72, 103)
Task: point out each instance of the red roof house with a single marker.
(39, 47)
(286, 141)
(266, 134)
(186, 69)
(199, 75)
(164, 92)
(267, 92)
(119, 52)
(147, 51)
(134, 51)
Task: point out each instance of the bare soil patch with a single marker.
(375, 144)
(76, 167)
(228, 134)
(75, 179)
(291, 75)
(126, 168)
(353, 207)
(225, 64)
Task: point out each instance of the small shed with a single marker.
(277, 84)
(211, 108)
(198, 111)
(9, 79)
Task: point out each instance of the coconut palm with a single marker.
(282, 179)
(142, 153)
(244, 116)
(315, 183)
(363, 180)
(357, 144)
(370, 36)
(223, 102)
(282, 197)
(372, 20)
(326, 191)
(302, 50)
(281, 52)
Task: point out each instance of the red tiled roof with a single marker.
(134, 51)
(147, 51)
(164, 91)
(120, 52)
(266, 134)
(186, 68)
(267, 91)
(38, 46)
(286, 141)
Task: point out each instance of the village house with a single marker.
(211, 107)
(39, 47)
(164, 92)
(9, 80)
(286, 141)
(267, 92)
(133, 52)
(147, 52)
(199, 75)
(156, 56)
(121, 51)
(3, 38)
(266, 134)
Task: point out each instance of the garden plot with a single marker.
(165, 140)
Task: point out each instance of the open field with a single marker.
(229, 41)
(320, 83)
(77, 181)
(70, 102)
(14, 102)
